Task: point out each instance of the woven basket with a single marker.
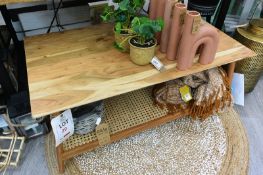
(251, 67)
(85, 117)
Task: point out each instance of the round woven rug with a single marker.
(217, 145)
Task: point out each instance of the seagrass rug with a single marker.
(217, 145)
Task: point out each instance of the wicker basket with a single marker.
(251, 67)
(85, 117)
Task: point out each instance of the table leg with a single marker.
(60, 151)
(61, 161)
(230, 71)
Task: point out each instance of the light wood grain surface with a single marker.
(77, 67)
(5, 2)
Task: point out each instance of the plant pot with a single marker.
(123, 40)
(142, 55)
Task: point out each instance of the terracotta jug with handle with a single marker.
(197, 36)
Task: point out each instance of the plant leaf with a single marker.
(123, 5)
(145, 28)
(107, 13)
(127, 11)
(119, 47)
(120, 16)
(118, 27)
(138, 3)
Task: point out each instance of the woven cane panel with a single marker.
(251, 67)
(122, 112)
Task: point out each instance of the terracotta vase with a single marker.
(153, 9)
(168, 13)
(160, 8)
(205, 39)
(176, 30)
(157, 12)
(157, 9)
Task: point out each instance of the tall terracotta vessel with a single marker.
(196, 36)
(176, 30)
(168, 14)
(157, 11)
(153, 9)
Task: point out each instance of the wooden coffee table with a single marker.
(78, 67)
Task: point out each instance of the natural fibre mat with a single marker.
(217, 145)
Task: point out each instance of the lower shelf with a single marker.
(126, 115)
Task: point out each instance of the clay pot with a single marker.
(124, 40)
(157, 9)
(176, 30)
(160, 9)
(205, 39)
(168, 13)
(157, 12)
(153, 9)
(142, 55)
(160, 15)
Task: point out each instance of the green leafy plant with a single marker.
(123, 15)
(145, 28)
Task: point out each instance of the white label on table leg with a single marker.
(63, 126)
(238, 89)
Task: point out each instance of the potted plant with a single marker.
(122, 16)
(143, 43)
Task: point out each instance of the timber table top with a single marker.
(77, 67)
(5, 2)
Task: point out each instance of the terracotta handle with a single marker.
(205, 40)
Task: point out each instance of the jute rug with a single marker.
(217, 145)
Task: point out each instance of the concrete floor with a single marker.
(33, 160)
(252, 118)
